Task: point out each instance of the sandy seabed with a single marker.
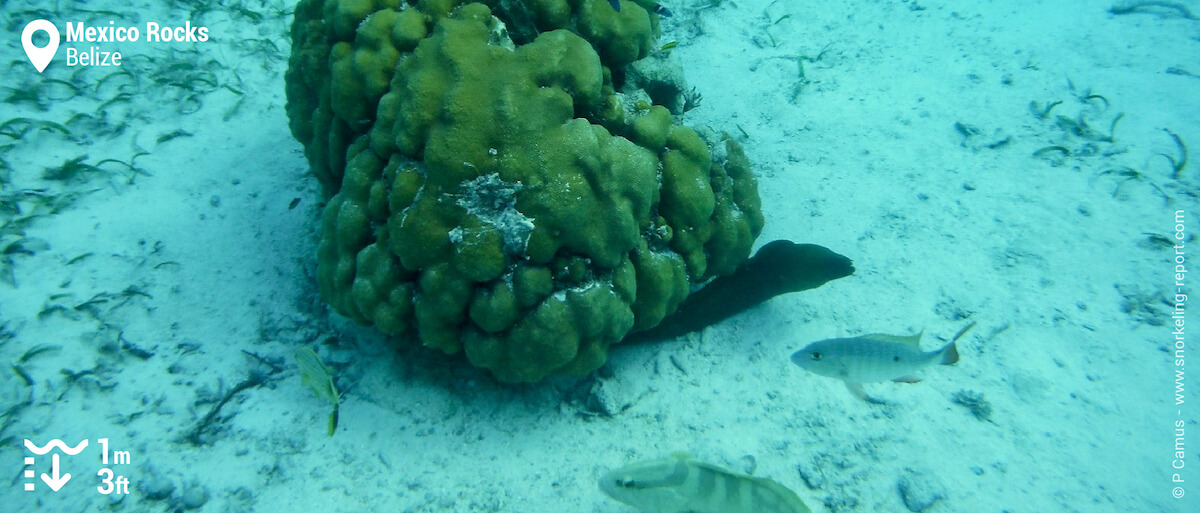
(1011, 164)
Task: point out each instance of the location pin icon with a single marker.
(40, 57)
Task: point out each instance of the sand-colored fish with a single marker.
(680, 484)
(874, 358)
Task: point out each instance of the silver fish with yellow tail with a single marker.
(874, 358)
(680, 484)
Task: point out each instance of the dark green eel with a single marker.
(779, 267)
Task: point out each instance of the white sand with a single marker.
(866, 160)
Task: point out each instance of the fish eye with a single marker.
(895, 358)
(816, 356)
(625, 482)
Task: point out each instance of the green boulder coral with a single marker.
(494, 191)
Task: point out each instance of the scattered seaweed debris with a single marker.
(974, 402)
(1057, 155)
(1157, 8)
(1127, 175)
(258, 376)
(974, 137)
(1156, 241)
(1177, 164)
(1043, 112)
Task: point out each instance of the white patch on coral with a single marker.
(494, 202)
(583, 287)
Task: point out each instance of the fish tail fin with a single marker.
(950, 354)
(963, 331)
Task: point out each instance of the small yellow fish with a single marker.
(680, 484)
(873, 358)
(317, 376)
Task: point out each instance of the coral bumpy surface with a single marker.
(494, 190)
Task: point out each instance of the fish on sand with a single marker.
(681, 484)
(874, 358)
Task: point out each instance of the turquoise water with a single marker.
(1022, 166)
